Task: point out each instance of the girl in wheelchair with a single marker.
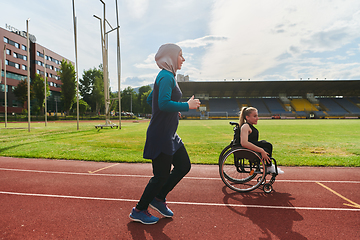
(249, 137)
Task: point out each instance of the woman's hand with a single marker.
(193, 103)
(265, 156)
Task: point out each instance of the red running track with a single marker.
(61, 199)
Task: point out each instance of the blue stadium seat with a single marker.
(274, 105)
(334, 108)
(228, 105)
(259, 104)
(346, 104)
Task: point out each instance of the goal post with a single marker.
(218, 114)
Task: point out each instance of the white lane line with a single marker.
(182, 203)
(149, 176)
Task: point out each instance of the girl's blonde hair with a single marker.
(245, 111)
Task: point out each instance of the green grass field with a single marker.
(334, 142)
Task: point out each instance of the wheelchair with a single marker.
(242, 169)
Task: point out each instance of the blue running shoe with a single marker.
(161, 207)
(143, 216)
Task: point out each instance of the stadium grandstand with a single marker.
(274, 99)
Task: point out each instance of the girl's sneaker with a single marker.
(271, 169)
(143, 216)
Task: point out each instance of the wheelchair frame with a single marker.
(238, 167)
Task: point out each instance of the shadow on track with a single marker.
(140, 231)
(276, 221)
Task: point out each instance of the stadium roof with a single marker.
(267, 88)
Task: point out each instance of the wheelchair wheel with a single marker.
(223, 152)
(238, 167)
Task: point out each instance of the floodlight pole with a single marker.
(5, 93)
(28, 70)
(45, 83)
(118, 62)
(77, 70)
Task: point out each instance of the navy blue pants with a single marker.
(165, 179)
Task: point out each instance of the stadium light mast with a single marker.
(45, 83)
(28, 70)
(77, 69)
(5, 94)
(104, 47)
(118, 62)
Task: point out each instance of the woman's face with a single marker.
(180, 60)
(253, 117)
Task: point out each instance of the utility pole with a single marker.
(28, 70)
(45, 84)
(77, 70)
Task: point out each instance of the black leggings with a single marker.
(163, 180)
(266, 146)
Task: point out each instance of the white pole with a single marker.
(28, 70)
(5, 87)
(45, 83)
(77, 70)
(105, 68)
(118, 63)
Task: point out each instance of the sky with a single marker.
(220, 39)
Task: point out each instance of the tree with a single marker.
(146, 108)
(21, 91)
(83, 106)
(127, 95)
(143, 106)
(92, 88)
(38, 90)
(68, 87)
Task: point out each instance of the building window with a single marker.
(37, 71)
(14, 103)
(40, 54)
(6, 40)
(8, 51)
(23, 67)
(24, 57)
(17, 65)
(12, 64)
(2, 88)
(15, 55)
(16, 45)
(23, 47)
(14, 76)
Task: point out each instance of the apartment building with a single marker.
(13, 52)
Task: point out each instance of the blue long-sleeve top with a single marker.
(161, 136)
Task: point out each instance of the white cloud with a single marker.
(201, 42)
(137, 8)
(267, 34)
